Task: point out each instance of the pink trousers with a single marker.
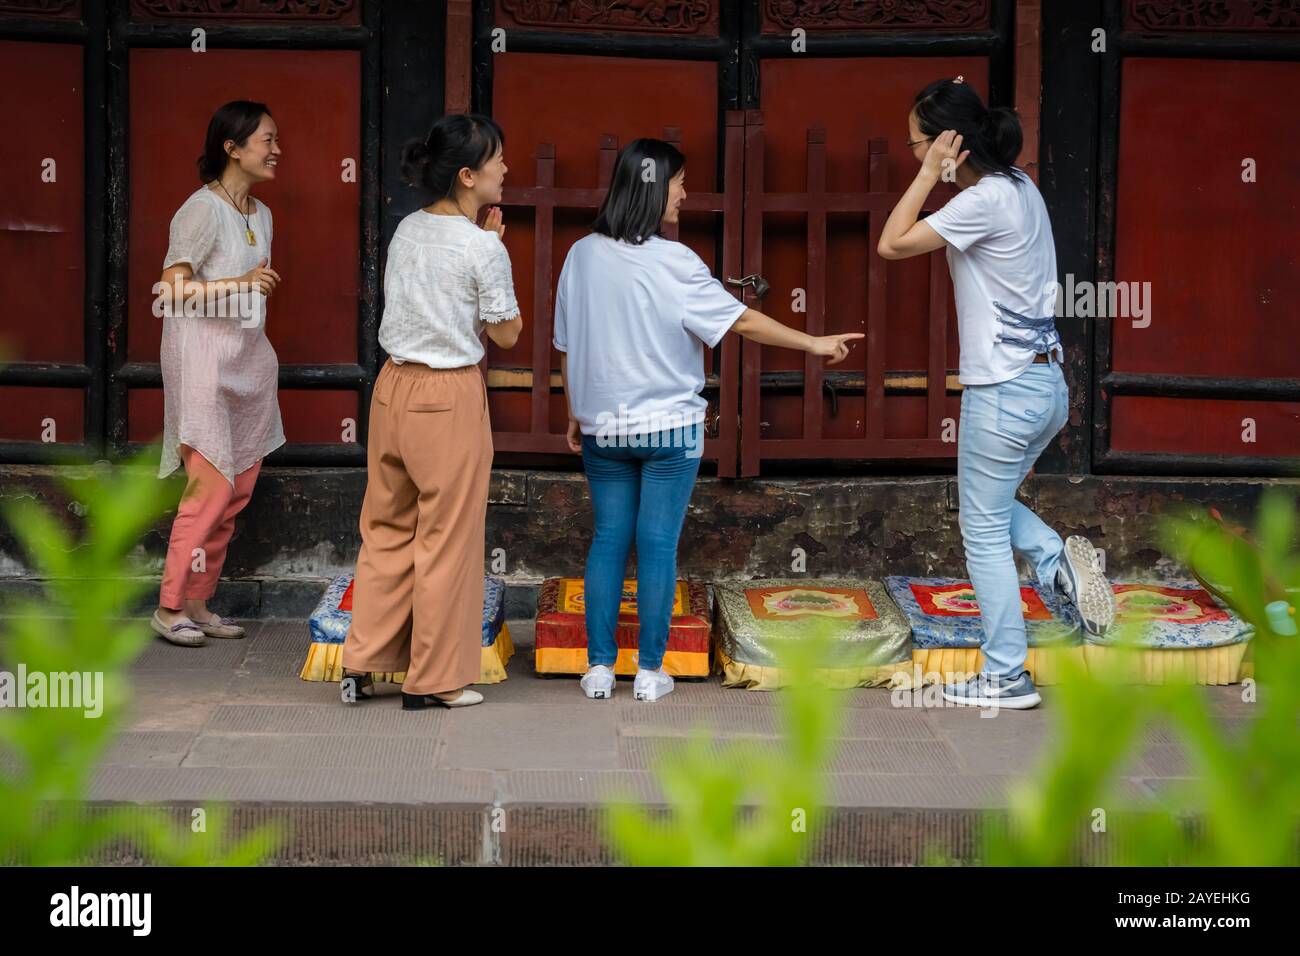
(202, 529)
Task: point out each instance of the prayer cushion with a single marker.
(869, 638)
(1174, 614)
(561, 632)
(1183, 634)
(328, 627)
(947, 630)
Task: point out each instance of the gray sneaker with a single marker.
(986, 691)
(1079, 576)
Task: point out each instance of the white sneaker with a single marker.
(598, 682)
(651, 685)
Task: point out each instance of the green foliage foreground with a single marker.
(744, 804)
(81, 636)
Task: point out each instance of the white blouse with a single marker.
(445, 279)
(220, 373)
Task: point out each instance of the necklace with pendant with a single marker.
(248, 229)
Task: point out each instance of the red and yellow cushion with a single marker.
(561, 632)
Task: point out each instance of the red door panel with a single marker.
(36, 413)
(1194, 426)
(626, 97)
(42, 234)
(1220, 254)
(314, 97)
(877, 96)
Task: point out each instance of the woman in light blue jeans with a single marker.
(1004, 428)
(1014, 400)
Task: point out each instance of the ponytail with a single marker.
(1003, 134)
(993, 136)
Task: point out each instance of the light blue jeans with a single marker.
(639, 492)
(1004, 428)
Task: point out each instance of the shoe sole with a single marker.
(1005, 703)
(1093, 597)
(425, 705)
(224, 637)
(408, 706)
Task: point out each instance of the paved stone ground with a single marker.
(232, 721)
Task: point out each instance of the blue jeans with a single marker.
(1004, 428)
(641, 491)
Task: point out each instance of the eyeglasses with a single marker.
(918, 142)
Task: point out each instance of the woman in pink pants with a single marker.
(221, 414)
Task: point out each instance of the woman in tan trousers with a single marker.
(418, 598)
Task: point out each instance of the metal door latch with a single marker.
(757, 281)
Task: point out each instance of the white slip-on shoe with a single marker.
(651, 685)
(467, 698)
(218, 626)
(598, 682)
(1084, 584)
(184, 633)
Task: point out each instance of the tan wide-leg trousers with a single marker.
(418, 601)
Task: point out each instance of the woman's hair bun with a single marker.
(456, 141)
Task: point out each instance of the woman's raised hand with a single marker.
(492, 222)
(945, 152)
(261, 277)
(835, 347)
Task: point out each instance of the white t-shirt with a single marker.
(1000, 249)
(445, 278)
(634, 320)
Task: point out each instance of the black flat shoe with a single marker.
(467, 698)
(356, 687)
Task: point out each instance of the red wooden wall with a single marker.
(533, 101)
(315, 98)
(879, 91)
(42, 232)
(1220, 253)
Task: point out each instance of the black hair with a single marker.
(993, 136)
(237, 120)
(457, 141)
(634, 207)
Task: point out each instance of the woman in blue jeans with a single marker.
(1014, 398)
(633, 313)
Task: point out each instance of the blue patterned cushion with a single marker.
(494, 608)
(328, 624)
(942, 613)
(1175, 614)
